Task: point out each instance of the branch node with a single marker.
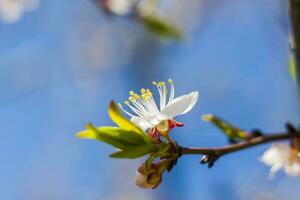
(256, 133)
(209, 159)
(292, 131)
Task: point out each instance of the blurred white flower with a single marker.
(119, 7)
(12, 10)
(282, 156)
(148, 115)
(125, 7)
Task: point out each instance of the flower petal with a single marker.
(277, 154)
(179, 105)
(141, 180)
(146, 122)
(292, 169)
(276, 157)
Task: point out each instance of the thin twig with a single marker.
(219, 151)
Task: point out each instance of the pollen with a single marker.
(161, 84)
(143, 91)
(170, 81)
(132, 99)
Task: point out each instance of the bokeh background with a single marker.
(62, 63)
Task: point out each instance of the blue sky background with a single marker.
(61, 65)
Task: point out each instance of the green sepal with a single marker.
(230, 130)
(161, 152)
(161, 28)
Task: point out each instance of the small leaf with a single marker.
(124, 123)
(134, 152)
(163, 29)
(116, 137)
(117, 133)
(230, 130)
(293, 68)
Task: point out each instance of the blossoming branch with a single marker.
(147, 133)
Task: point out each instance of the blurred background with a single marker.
(61, 62)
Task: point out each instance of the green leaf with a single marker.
(230, 130)
(134, 152)
(161, 28)
(125, 124)
(116, 137)
(293, 68)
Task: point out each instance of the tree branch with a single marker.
(220, 151)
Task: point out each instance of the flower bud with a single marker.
(142, 181)
(151, 176)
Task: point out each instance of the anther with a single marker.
(131, 99)
(161, 83)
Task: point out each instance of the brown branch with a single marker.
(220, 151)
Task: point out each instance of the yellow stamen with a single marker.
(170, 81)
(136, 96)
(131, 99)
(161, 83)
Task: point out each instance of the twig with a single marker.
(220, 151)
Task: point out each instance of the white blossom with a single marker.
(282, 156)
(12, 10)
(120, 7)
(146, 112)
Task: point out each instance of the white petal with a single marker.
(277, 154)
(120, 7)
(179, 105)
(276, 157)
(145, 122)
(141, 180)
(11, 11)
(292, 169)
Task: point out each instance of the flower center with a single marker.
(144, 105)
(294, 156)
